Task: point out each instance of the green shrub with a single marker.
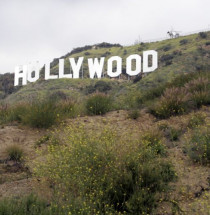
(203, 35)
(14, 152)
(105, 174)
(166, 47)
(98, 104)
(198, 146)
(40, 114)
(183, 42)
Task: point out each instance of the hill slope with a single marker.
(111, 146)
(184, 54)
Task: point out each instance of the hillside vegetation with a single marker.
(111, 146)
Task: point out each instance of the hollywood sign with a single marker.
(31, 73)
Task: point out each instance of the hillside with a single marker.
(111, 146)
(181, 55)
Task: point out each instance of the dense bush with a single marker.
(105, 174)
(98, 104)
(198, 145)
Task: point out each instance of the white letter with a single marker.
(19, 75)
(47, 72)
(110, 65)
(95, 67)
(61, 70)
(33, 68)
(129, 70)
(154, 66)
(76, 67)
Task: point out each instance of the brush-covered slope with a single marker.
(183, 54)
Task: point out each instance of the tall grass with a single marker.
(40, 114)
(14, 152)
(28, 205)
(179, 81)
(179, 100)
(174, 101)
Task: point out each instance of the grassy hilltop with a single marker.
(110, 146)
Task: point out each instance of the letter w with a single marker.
(95, 67)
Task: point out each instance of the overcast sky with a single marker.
(41, 30)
